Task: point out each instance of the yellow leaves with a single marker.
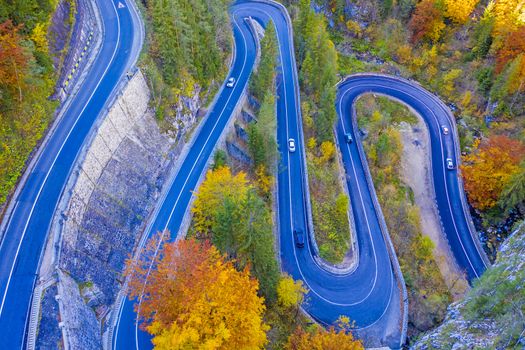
(219, 185)
(466, 100)
(312, 143)
(459, 11)
(264, 180)
(290, 293)
(39, 37)
(320, 339)
(404, 54)
(449, 80)
(200, 301)
(376, 117)
(354, 28)
(435, 30)
(327, 152)
(188, 84)
(508, 15)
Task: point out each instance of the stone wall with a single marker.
(110, 195)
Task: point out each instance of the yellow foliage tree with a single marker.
(290, 293)
(508, 15)
(327, 152)
(312, 143)
(39, 37)
(218, 186)
(264, 180)
(195, 299)
(320, 339)
(449, 81)
(459, 11)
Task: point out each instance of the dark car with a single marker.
(348, 138)
(298, 235)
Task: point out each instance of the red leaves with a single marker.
(513, 45)
(13, 60)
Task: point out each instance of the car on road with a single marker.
(450, 164)
(230, 82)
(298, 235)
(444, 129)
(348, 138)
(291, 145)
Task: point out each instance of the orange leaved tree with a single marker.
(488, 169)
(13, 59)
(321, 339)
(426, 22)
(193, 298)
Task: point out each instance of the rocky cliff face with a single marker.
(113, 190)
(492, 316)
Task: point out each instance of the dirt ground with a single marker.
(416, 173)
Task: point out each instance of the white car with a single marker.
(230, 82)
(291, 145)
(450, 164)
(445, 129)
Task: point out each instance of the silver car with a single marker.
(450, 164)
(231, 82)
(291, 145)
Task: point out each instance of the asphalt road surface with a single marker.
(370, 295)
(27, 227)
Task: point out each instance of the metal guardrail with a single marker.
(457, 148)
(121, 296)
(384, 229)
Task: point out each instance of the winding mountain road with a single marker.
(26, 228)
(371, 294)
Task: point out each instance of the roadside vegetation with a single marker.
(471, 54)
(499, 296)
(262, 144)
(187, 46)
(490, 317)
(222, 288)
(27, 80)
(317, 60)
(428, 295)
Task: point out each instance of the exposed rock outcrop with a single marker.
(111, 193)
(492, 314)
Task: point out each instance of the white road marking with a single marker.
(436, 119)
(52, 165)
(183, 187)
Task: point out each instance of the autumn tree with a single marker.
(513, 45)
(27, 80)
(508, 16)
(194, 298)
(426, 22)
(290, 293)
(321, 339)
(488, 170)
(459, 11)
(13, 61)
(230, 213)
